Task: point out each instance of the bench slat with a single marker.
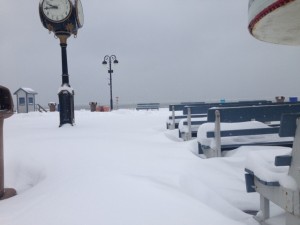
(234, 146)
(262, 113)
(243, 132)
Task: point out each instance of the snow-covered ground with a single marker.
(119, 168)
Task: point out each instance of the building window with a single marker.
(22, 101)
(30, 100)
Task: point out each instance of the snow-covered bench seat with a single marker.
(275, 176)
(253, 133)
(186, 131)
(232, 127)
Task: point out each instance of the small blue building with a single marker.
(25, 100)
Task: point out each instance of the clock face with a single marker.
(56, 10)
(79, 13)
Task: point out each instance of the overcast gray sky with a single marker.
(168, 51)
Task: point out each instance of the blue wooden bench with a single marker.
(189, 127)
(199, 109)
(233, 115)
(203, 108)
(284, 192)
(147, 106)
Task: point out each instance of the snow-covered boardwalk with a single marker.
(119, 168)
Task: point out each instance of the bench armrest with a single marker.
(283, 160)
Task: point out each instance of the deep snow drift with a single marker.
(119, 168)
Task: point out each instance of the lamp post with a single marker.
(110, 59)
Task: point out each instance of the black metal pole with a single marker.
(108, 59)
(110, 83)
(64, 60)
(66, 95)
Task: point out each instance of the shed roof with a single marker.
(27, 90)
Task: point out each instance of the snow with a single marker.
(203, 129)
(185, 128)
(29, 90)
(119, 168)
(262, 163)
(64, 88)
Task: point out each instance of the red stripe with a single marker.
(266, 11)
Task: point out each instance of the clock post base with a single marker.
(66, 107)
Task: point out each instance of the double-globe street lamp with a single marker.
(110, 59)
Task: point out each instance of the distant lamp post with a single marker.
(110, 59)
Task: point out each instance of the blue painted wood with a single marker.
(262, 113)
(269, 183)
(244, 132)
(287, 127)
(194, 122)
(251, 182)
(229, 147)
(288, 124)
(203, 108)
(185, 116)
(147, 106)
(283, 160)
(250, 186)
(180, 107)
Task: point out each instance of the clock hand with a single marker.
(51, 7)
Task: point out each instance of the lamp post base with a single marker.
(8, 193)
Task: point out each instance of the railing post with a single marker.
(173, 118)
(264, 209)
(218, 134)
(189, 121)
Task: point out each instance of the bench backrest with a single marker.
(288, 124)
(148, 105)
(203, 108)
(264, 113)
(287, 128)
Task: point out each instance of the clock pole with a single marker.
(66, 93)
(63, 18)
(64, 59)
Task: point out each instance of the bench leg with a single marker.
(264, 212)
(189, 120)
(173, 119)
(217, 151)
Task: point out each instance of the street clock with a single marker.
(61, 16)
